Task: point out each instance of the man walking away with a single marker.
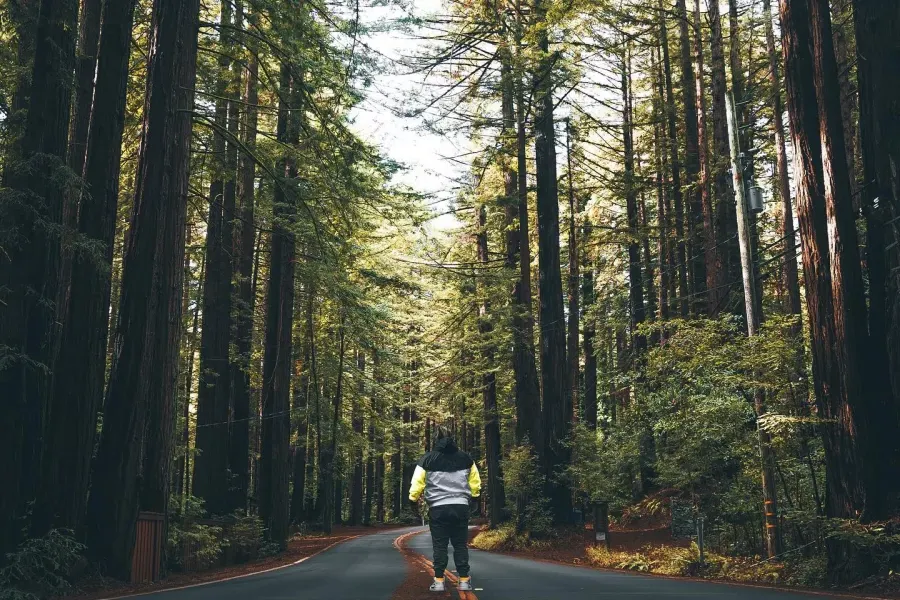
(450, 480)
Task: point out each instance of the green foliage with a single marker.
(524, 490)
(40, 567)
(190, 539)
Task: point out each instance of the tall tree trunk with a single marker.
(29, 265)
(85, 68)
(332, 490)
(843, 44)
(710, 250)
(356, 483)
(274, 503)
(239, 440)
(378, 407)
(556, 389)
(790, 279)
(139, 392)
(79, 379)
(184, 465)
(829, 323)
(528, 402)
(850, 314)
(300, 408)
(211, 475)
(877, 29)
(666, 267)
(726, 270)
(697, 264)
(574, 287)
(590, 356)
(635, 274)
(677, 197)
(496, 494)
(370, 462)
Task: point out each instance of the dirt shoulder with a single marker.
(299, 548)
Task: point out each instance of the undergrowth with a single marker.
(40, 567)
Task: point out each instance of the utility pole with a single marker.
(754, 314)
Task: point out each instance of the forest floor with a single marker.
(647, 547)
(299, 547)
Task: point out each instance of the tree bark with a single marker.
(675, 165)
(356, 483)
(697, 263)
(274, 503)
(300, 407)
(877, 29)
(554, 374)
(29, 266)
(80, 376)
(726, 270)
(496, 495)
(529, 424)
(239, 440)
(211, 475)
(574, 287)
(139, 393)
(635, 274)
(806, 74)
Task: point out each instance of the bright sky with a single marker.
(404, 139)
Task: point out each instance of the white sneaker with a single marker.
(437, 586)
(465, 585)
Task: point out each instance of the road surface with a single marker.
(370, 568)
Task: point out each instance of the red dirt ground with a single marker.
(96, 588)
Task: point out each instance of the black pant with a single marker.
(450, 523)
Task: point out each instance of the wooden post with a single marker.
(601, 523)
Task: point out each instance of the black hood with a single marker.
(446, 444)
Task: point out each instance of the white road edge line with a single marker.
(202, 583)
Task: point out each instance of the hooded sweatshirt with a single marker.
(446, 475)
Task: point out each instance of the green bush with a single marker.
(524, 483)
(40, 567)
(205, 542)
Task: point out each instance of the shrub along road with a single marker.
(371, 568)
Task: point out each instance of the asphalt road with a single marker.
(370, 568)
(499, 577)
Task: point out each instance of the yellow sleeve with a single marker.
(474, 481)
(417, 486)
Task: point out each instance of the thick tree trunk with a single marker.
(529, 424)
(211, 476)
(29, 266)
(554, 373)
(590, 357)
(85, 67)
(832, 329)
(139, 393)
(239, 440)
(274, 503)
(697, 263)
(877, 29)
(79, 379)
